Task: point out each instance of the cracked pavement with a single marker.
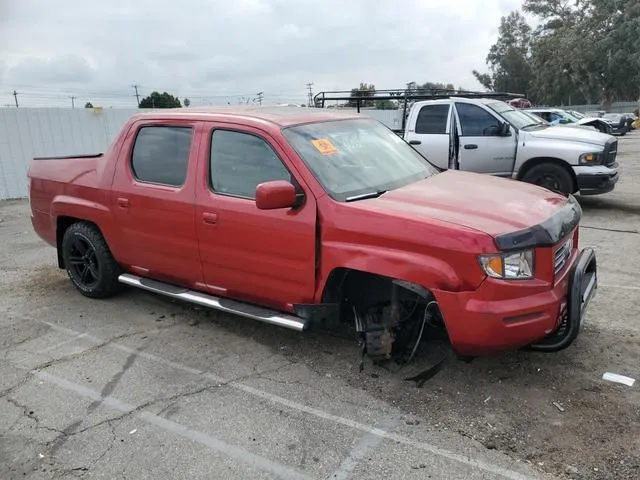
(139, 386)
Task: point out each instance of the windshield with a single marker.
(515, 117)
(357, 157)
(569, 115)
(535, 117)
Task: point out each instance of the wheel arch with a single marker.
(533, 162)
(67, 210)
(63, 222)
(342, 280)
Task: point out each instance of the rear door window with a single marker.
(432, 119)
(161, 154)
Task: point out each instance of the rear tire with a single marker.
(89, 262)
(552, 177)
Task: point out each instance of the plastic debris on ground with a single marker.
(614, 377)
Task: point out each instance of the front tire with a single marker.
(89, 262)
(552, 177)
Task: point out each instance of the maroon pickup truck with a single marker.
(302, 217)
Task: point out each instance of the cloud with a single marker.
(212, 49)
(64, 70)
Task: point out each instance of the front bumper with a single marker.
(597, 179)
(502, 316)
(583, 283)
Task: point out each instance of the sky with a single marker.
(219, 51)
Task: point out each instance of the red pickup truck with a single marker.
(302, 217)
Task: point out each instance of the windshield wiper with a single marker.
(365, 196)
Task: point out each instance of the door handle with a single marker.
(123, 202)
(471, 146)
(210, 218)
(415, 142)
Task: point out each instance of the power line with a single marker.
(73, 101)
(259, 94)
(60, 93)
(15, 96)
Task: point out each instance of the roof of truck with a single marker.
(283, 116)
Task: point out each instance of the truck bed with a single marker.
(57, 177)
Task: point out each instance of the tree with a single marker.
(160, 100)
(88, 105)
(364, 90)
(186, 102)
(584, 51)
(509, 59)
(484, 79)
(386, 105)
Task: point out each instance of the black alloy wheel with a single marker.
(89, 262)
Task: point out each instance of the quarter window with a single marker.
(239, 162)
(161, 154)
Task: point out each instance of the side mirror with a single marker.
(504, 130)
(275, 194)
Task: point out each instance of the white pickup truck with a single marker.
(485, 135)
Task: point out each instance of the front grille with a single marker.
(610, 152)
(561, 256)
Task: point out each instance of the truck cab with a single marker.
(486, 135)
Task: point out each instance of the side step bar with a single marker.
(225, 305)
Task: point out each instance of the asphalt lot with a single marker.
(141, 387)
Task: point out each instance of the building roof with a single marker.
(283, 116)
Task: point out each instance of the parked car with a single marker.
(306, 217)
(557, 116)
(618, 123)
(490, 136)
(520, 103)
(631, 119)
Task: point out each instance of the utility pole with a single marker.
(310, 102)
(135, 87)
(259, 94)
(15, 95)
(73, 101)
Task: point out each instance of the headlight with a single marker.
(509, 266)
(591, 158)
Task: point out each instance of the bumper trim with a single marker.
(545, 234)
(597, 184)
(583, 284)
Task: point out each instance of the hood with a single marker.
(587, 120)
(493, 205)
(579, 125)
(557, 132)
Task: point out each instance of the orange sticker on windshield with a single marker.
(324, 146)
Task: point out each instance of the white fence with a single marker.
(616, 107)
(35, 132)
(38, 132)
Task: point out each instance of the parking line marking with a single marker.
(62, 344)
(213, 443)
(427, 447)
(363, 446)
(621, 287)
